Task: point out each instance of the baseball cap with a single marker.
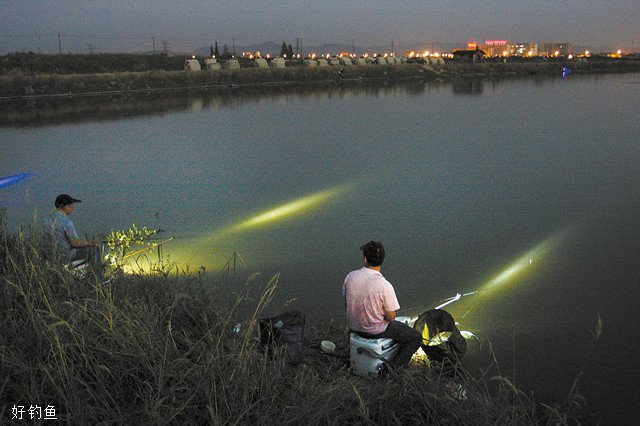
(64, 199)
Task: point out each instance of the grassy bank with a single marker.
(159, 349)
(64, 85)
(31, 76)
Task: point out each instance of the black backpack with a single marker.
(287, 330)
(438, 321)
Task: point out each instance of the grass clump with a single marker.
(158, 348)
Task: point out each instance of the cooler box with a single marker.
(362, 363)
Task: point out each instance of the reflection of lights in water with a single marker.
(284, 211)
(513, 272)
(199, 251)
(522, 265)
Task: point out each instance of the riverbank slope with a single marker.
(31, 76)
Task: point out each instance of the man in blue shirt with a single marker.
(61, 237)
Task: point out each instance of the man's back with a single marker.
(368, 296)
(58, 230)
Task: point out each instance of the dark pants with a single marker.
(408, 338)
(92, 255)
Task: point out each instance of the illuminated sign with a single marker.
(496, 42)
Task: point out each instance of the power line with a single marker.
(116, 37)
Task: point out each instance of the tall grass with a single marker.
(159, 349)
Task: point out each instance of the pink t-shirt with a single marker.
(368, 296)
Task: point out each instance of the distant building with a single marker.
(523, 49)
(474, 56)
(495, 47)
(554, 49)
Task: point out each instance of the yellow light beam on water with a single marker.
(523, 264)
(514, 272)
(206, 249)
(284, 211)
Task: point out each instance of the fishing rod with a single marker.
(447, 301)
(455, 298)
(142, 250)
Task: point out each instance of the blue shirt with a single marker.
(58, 230)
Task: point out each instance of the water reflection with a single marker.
(467, 86)
(42, 112)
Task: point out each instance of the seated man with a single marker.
(371, 305)
(61, 238)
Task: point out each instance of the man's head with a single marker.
(65, 203)
(373, 253)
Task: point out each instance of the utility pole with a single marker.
(301, 53)
(233, 47)
(392, 47)
(353, 46)
(59, 44)
(154, 45)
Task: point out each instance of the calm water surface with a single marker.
(457, 180)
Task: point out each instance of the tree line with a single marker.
(286, 51)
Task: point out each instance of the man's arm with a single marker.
(390, 316)
(72, 237)
(79, 243)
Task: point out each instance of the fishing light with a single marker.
(10, 180)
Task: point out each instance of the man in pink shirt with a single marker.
(371, 305)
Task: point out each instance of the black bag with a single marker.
(438, 321)
(286, 329)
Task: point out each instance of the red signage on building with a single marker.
(496, 42)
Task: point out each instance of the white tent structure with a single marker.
(277, 63)
(231, 64)
(192, 65)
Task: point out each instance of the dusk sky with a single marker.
(111, 25)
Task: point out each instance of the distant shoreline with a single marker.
(18, 85)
